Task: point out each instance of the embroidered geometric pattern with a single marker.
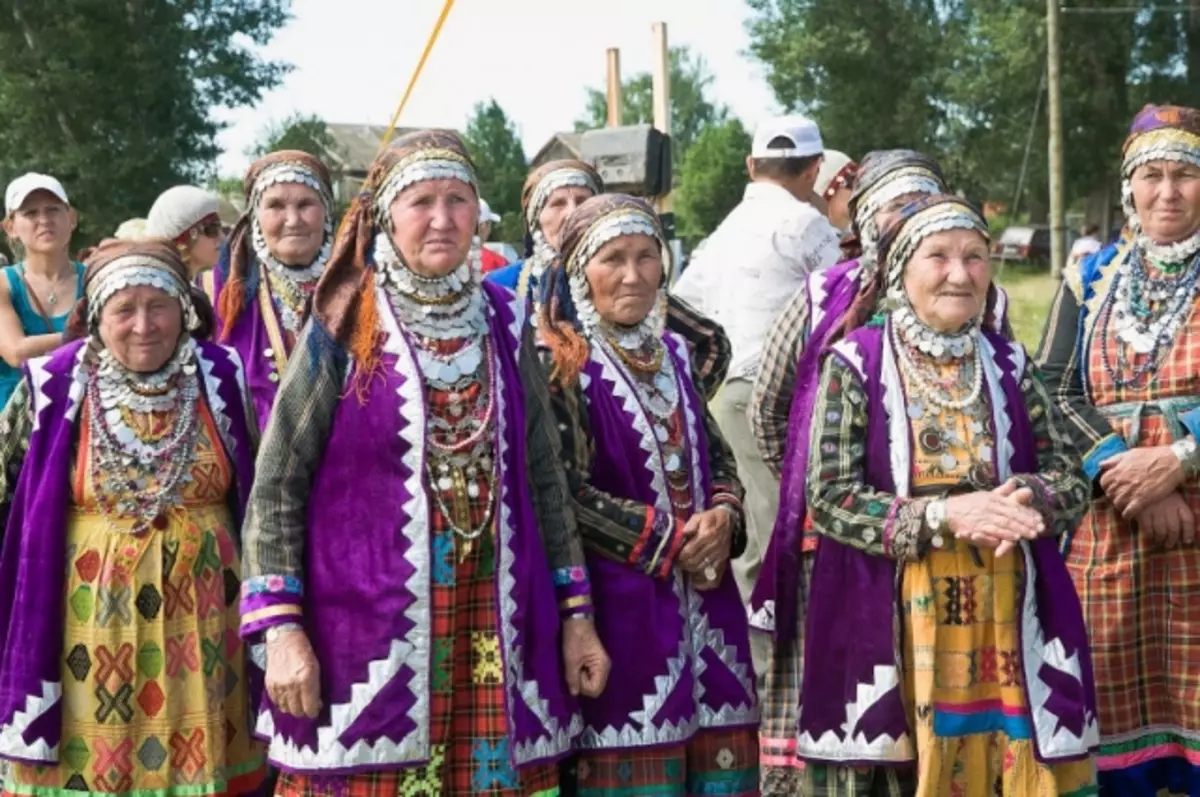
(140, 717)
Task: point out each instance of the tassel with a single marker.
(365, 341)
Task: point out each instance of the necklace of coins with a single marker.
(137, 473)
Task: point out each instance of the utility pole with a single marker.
(1053, 79)
(661, 83)
(616, 98)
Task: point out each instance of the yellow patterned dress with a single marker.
(957, 606)
(154, 675)
(961, 648)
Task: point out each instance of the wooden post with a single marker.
(1057, 207)
(662, 102)
(616, 98)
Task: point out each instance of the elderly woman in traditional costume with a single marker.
(1119, 355)
(656, 493)
(410, 551)
(187, 216)
(262, 287)
(945, 647)
(780, 409)
(130, 451)
(551, 193)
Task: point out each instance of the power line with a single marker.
(1125, 9)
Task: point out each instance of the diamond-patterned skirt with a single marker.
(469, 723)
(154, 688)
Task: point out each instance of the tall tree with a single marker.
(500, 163)
(691, 108)
(713, 179)
(865, 70)
(116, 99)
(305, 132)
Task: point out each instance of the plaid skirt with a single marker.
(721, 761)
(1140, 603)
(781, 769)
(469, 725)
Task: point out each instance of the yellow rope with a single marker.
(412, 82)
(437, 29)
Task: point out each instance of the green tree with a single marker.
(713, 178)
(500, 164)
(865, 71)
(305, 132)
(116, 99)
(691, 108)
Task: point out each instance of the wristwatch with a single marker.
(1185, 451)
(274, 631)
(935, 520)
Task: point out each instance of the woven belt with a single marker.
(1169, 408)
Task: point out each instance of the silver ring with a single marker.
(710, 573)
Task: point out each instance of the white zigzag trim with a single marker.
(414, 650)
(12, 742)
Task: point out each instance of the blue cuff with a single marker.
(1191, 422)
(1106, 449)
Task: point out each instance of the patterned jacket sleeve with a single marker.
(277, 518)
(840, 505)
(549, 487)
(16, 427)
(771, 401)
(1058, 359)
(624, 531)
(1061, 492)
(707, 342)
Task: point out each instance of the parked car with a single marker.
(1029, 243)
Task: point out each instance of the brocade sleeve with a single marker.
(548, 485)
(840, 504)
(1061, 492)
(16, 427)
(771, 401)
(277, 518)
(624, 531)
(1058, 358)
(708, 345)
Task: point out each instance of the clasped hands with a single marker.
(1143, 485)
(996, 519)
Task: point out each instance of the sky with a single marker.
(353, 59)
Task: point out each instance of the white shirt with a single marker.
(1083, 247)
(752, 264)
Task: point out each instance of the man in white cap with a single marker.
(755, 260)
(489, 259)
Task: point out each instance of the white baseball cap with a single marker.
(20, 189)
(800, 130)
(486, 216)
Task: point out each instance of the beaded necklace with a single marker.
(143, 431)
(1145, 314)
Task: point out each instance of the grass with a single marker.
(1030, 292)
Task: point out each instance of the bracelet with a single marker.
(274, 631)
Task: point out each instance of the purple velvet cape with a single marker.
(258, 338)
(681, 658)
(851, 708)
(367, 574)
(34, 557)
(774, 600)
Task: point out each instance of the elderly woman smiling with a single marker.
(131, 456)
(263, 284)
(945, 642)
(656, 493)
